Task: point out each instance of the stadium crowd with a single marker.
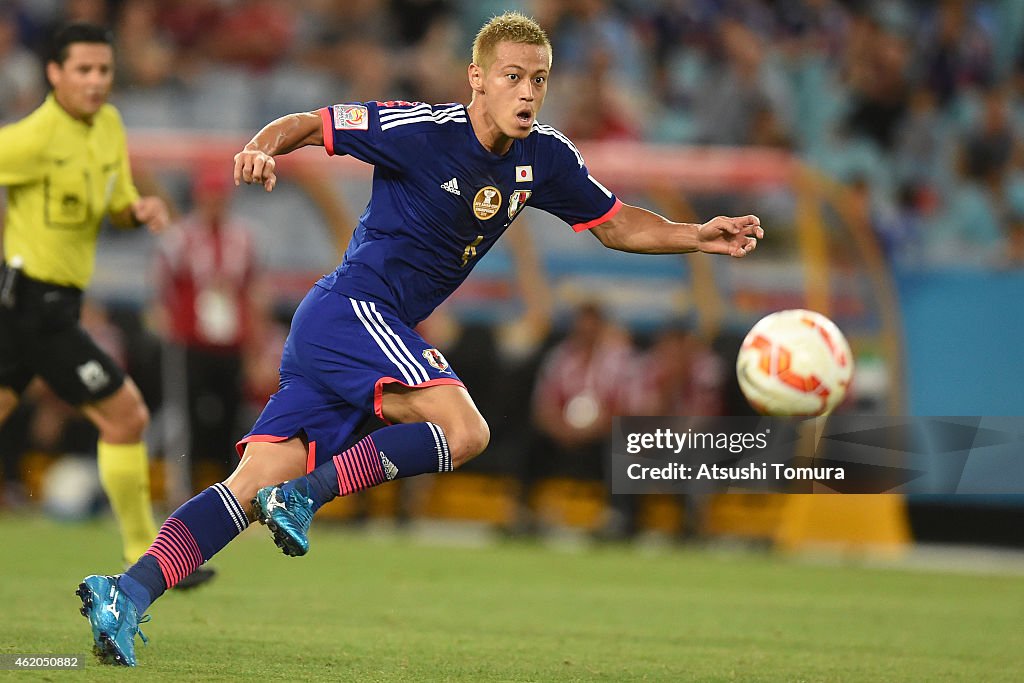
(920, 104)
(917, 106)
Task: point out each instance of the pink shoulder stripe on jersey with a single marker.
(580, 227)
(325, 116)
(270, 438)
(378, 390)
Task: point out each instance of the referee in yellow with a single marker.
(66, 167)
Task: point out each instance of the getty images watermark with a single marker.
(837, 454)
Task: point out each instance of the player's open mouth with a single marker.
(525, 117)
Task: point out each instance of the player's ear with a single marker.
(476, 78)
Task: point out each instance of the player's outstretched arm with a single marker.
(640, 231)
(255, 163)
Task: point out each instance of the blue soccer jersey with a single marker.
(440, 200)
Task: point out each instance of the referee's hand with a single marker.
(152, 212)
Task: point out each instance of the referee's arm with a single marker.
(150, 211)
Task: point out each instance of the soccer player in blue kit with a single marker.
(448, 180)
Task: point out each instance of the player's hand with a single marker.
(152, 212)
(253, 166)
(734, 237)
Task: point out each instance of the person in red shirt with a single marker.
(205, 272)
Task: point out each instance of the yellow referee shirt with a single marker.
(63, 176)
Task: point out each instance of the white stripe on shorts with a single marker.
(380, 342)
(403, 350)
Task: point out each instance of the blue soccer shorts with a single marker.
(339, 355)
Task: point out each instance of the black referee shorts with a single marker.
(40, 335)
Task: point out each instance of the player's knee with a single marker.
(467, 440)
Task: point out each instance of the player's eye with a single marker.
(513, 77)
(540, 80)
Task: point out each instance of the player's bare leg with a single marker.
(192, 535)
(264, 464)
(435, 429)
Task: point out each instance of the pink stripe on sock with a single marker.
(359, 467)
(176, 551)
(350, 460)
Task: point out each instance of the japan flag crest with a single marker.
(516, 201)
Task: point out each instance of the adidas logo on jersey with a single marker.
(451, 186)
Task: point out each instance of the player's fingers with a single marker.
(245, 166)
(270, 182)
(237, 172)
(258, 164)
(742, 249)
(744, 224)
(263, 168)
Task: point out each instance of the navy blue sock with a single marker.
(192, 535)
(394, 452)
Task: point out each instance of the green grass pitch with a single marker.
(394, 608)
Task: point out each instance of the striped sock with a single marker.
(196, 531)
(394, 452)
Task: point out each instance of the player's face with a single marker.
(82, 83)
(515, 86)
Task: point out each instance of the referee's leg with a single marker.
(121, 419)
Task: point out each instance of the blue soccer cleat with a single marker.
(113, 618)
(287, 512)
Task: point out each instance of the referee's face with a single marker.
(82, 83)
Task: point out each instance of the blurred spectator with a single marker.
(145, 56)
(597, 109)
(350, 44)
(188, 25)
(256, 34)
(924, 147)
(578, 392)
(972, 229)
(679, 375)
(739, 89)
(682, 376)
(877, 65)
(206, 271)
(21, 72)
(956, 50)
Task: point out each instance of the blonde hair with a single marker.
(511, 27)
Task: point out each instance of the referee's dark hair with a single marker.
(77, 33)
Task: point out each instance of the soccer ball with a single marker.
(794, 362)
